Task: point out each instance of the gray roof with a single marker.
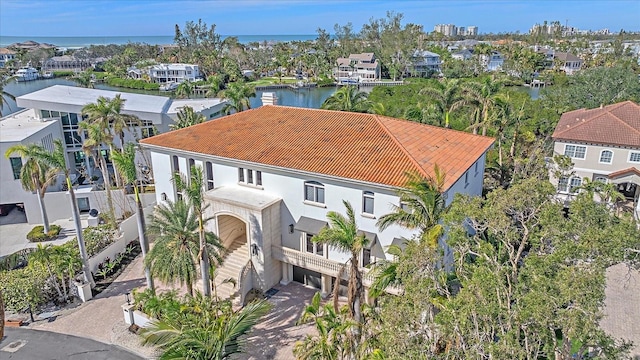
(21, 125)
(77, 98)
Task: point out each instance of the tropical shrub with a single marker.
(157, 305)
(16, 260)
(37, 233)
(23, 288)
(97, 238)
(63, 73)
(132, 83)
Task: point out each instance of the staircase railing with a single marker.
(245, 282)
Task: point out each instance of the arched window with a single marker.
(606, 156)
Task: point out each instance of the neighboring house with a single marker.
(564, 61)
(6, 55)
(167, 73)
(135, 73)
(424, 63)
(273, 173)
(67, 63)
(58, 109)
(464, 54)
(604, 145)
(492, 62)
(357, 68)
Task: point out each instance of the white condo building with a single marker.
(273, 173)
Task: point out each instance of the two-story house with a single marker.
(357, 68)
(424, 63)
(604, 145)
(54, 113)
(273, 173)
(168, 73)
(6, 55)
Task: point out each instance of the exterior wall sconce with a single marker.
(127, 297)
(254, 249)
(163, 196)
(290, 228)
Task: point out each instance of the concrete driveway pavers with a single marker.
(29, 344)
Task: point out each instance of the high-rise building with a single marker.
(472, 30)
(452, 30)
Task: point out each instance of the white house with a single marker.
(54, 113)
(357, 68)
(424, 63)
(493, 61)
(6, 55)
(167, 73)
(604, 145)
(272, 174)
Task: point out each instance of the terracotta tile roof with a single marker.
(619, 173)
(617, 124)
(357, 146)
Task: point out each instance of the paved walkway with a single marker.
(622, 306)
(13, 237)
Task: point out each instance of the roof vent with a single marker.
(269, 98)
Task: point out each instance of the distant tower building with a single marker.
(472, 30)
(462, 30)
(439, 28)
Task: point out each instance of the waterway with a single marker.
(311, 98)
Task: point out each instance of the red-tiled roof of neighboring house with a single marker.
(364, 147)
(624, 172)
(617, 124)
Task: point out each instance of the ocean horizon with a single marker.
(84, 41)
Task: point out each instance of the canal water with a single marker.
(306, 97)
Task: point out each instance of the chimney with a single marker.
(269, 98)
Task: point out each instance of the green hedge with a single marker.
(37, 233)
(23, 288)
(63, 73)
(132, 84)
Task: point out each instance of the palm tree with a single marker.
(481, 95)
(125, 161)
(5, 78)
(185, 89)
(237, 95)
(187, 117)
(209, 331)
(92, 146)
(108, 114)
(43, 256)
(347, 98)
(343, 235)
(176, 250)
(193, 190)
(84, 79)
(35, 175)
(446, 97)
(56, 160)
(213, 83)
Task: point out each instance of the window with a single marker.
(634, 157)
(312, 247)
(314, 192)
(600, 178)
(476, 168)
(249, 176)
(569, 185)
(240, 175)
(176, 164)
(367, 202)
(209, 170)
(366, 257)
(575, 151)
(16, 166)
(466, 179)
(404, 206)
(259, 178)
(606, 156)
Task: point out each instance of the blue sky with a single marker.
(288, 17)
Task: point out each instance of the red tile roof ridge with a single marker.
(607, 110)
(400, 146)
(632, 169)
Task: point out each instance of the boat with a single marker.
(47, 75)
(169, 86)
(27, 73)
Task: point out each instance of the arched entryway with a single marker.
(232, 232)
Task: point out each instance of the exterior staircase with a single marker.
(235, 259)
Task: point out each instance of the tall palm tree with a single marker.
(343, 235)
(214, 82)
(125, 161)
(187, 117)
(482, 96)
(209, 331)
(35, 175)
(176, 250)
(185, 89)
(347, 98)
(56, 160)
(446, 97)
(92, 146)
(43, 256)
(108, 114)
(237, 95)
(193, 190)
(5, 78)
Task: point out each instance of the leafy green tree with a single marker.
(185, 89)
(57, 160)
(347, 98)
(187, 117)
(205, 329)
(237, 95)
(125, 161)
(481, 96)
(35, 175)
(176, 251)
(446, 97)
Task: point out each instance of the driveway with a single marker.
(13, 237)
